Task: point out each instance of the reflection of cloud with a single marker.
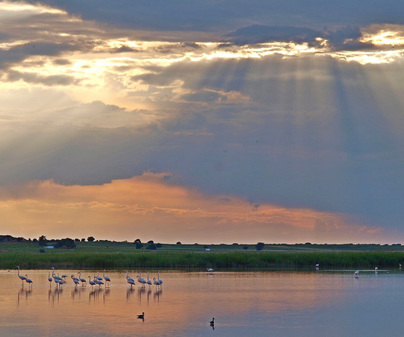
(150, 205)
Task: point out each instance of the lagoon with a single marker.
(267, 303)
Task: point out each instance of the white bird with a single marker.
(22, 278)
(210, 270)
(356, 274)
(106, 278)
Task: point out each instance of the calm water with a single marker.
(244, 304)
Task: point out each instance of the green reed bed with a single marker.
(178, 260)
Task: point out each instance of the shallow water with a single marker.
(243, 303)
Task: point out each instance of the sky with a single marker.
(209, 121)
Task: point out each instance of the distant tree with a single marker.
(179, 243)
(137, 241)
(65, 243)
(139, 245)
(35, 240)
(77, 240)
(90, 239)
(259, 246)
(150, 242)
(151, 246)
(83, 240)
(245, 247)
(159, 245)
(42, 240)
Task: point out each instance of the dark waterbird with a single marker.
(141, 316)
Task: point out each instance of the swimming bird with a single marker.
(356, 274)
(141, 316)
(212, 322)
(22, 278)
(106, 278)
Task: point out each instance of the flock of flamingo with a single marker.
(96, 280)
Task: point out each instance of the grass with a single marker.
(124, 255)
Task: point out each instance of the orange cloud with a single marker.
(150, 206)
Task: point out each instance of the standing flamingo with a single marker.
(22, 278)
(75, 280)
(82, 280)
(149, 282)
(106, 278)
(50, 280)
(28, 280)
(130, 280)
(141, 279)
(92, 283)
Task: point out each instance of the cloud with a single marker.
(151, 206)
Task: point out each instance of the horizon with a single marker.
(216, 122)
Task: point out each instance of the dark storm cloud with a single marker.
(226, 15)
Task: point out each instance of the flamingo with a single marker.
(149, 282)
(50, 280)
(22, 278)
(98, 277)
(130, 280)
(92, 283)
(82, 280)
(56, 277)
(75, 280)
(141, 279)
(106, 278)
(158, 278)
(28, 280)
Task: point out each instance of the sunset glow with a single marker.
(118, 125)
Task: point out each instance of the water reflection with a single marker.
(286, 304)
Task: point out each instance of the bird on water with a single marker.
(141, 316)
(22, 278)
